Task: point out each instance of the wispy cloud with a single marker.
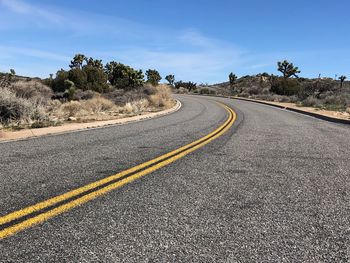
(29, 52)
(24, 8)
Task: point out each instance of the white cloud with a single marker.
(29, 52)
(23, 8)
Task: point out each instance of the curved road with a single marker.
(273, 188)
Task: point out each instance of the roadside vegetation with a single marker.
(87, 91)
(321, 93)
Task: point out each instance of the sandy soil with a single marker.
(68, 127)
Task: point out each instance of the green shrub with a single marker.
(204, 91)
(285, 87)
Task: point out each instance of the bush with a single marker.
(310, 102)
(17, 109)
(33, 90)
(204, 91)
(285, 87)
(162, 98)
(183, 90)
(98, 104)
(83, 95)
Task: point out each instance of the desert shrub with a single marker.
(265, 91)
(335, 100)
(212, 92)
(53, 105)
(267, 97)
(183, 90)
(98, 104)
(162, 98)
(254, 90)
(244, 95)
(149, 89)
(311, 102)
(83, 95)
(285, 87)
(281, 98)
(204, 91)
(134, 107)
(17, 109)
(33, 90)
(71, 108)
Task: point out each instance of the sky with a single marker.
(197, 40)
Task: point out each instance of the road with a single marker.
(272, 188)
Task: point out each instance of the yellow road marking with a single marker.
(178, 153)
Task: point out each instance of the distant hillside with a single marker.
(324, 93)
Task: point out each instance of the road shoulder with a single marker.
(73, 127)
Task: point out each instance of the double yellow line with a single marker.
(40, 212)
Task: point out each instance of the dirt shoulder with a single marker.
(333, 114)
(73, 126)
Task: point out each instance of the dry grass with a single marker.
(32, 90)
(17, 110)
(29, 104)
(162, 97)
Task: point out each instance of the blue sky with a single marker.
(198, 40)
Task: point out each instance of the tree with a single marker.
(342, 78)
(96, 79)
(287, 69)
(58, 84)
(232, 78)
(78, 61)
(170, 79)
(187, 85)
(122, 76)
(79, 77)
(97, 63)
(153, 76)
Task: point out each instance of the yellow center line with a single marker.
(160, 161)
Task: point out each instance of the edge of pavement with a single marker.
(8, 136)
(312, 114)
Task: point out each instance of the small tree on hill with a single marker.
(170, 79)
(287, 69)
(153, 76)
(232, 78)
(342, 78)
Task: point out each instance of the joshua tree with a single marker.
(287, 69)
(342, 78)
(170, 79)
(232, 78)
(153, 76)
(78, 61)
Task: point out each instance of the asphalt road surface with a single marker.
(274, 188)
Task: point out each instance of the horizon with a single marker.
(201, 42)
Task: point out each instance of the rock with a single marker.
(72, 119)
